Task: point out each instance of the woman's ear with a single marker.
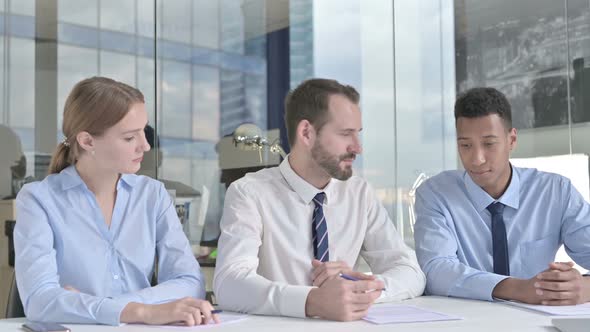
(85, 141)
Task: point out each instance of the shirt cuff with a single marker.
(478, 287)
(293, 300)
(110, 311)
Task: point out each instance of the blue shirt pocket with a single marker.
(536, 256)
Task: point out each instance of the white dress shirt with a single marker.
(266, 249)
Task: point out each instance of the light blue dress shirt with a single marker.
(61, 239)
(453, 230)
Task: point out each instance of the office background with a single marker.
(207, 66)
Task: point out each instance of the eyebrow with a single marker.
(351, 129)
(466, 138)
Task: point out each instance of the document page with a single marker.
(566, 310)
(396, 313)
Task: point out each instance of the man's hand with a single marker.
(522, 290)
(561, 284)
(324, 271)
(342, 300)
(186, 311)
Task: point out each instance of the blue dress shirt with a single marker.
(453, 230)
(61, 239)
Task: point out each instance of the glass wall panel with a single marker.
(521, 49)
(578, 18)
(118, 15)
(80, 12)
(206, 67)
(176, 20)
(74, 64)
(120, 67)
(206, 23)
(424, 90)
(21, 108)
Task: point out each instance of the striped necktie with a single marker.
(499, 240)
(319, 229)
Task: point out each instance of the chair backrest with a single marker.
(14, 307)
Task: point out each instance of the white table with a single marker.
(478, 316)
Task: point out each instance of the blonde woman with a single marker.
(87, 235)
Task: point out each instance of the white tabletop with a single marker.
(478, 316)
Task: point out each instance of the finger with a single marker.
(187, 318)
(206, 312)
(360, 306)
(319, 280)
(324, 268)
(552, 295)
(315, 263)
(561, 266)
(216, 318)
(557, 286)
(359, 314)
(331, 268)
(197, 315)
(317, 272)
(558, 275)
(365, 285)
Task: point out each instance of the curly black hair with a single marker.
(483, 101)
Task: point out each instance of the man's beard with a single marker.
(331, 163)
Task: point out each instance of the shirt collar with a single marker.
(481, 199)
(304, 189)
(71, 178)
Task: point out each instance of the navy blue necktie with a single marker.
(499, 240)
(319, 230)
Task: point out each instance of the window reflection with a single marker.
(206, 67)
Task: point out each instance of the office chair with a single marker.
(14, 307)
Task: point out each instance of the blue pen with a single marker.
(216, 311)
(351, 278)
(347, 277)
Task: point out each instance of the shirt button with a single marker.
(116, 277)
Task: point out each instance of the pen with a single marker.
(347, 277)
(351, 278)
(216, 311)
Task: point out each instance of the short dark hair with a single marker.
(482, 101)
(309, 101)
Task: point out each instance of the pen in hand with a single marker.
(351, 278)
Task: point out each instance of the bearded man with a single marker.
(291, 236)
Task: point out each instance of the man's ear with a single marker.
(306, 134)
(85, 141)
(512, 138)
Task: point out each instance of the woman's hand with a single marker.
(186, 311)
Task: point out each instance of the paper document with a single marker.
(565, 310)
(396, 313)
(225, 318)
